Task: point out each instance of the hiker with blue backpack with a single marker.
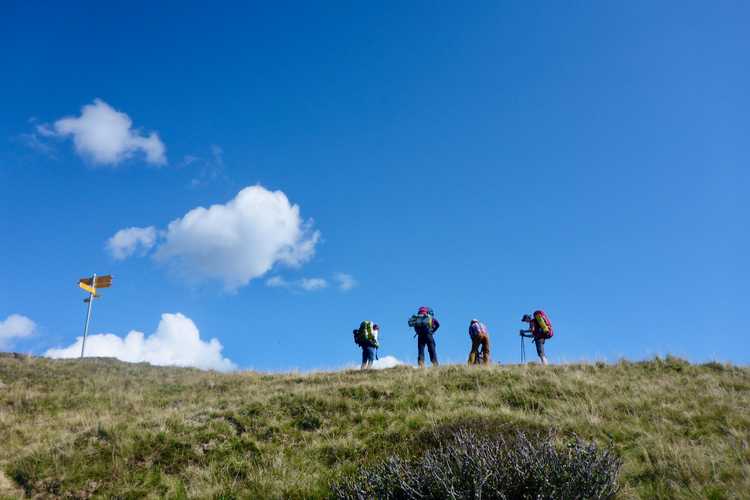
(425, 325)
(479, 338)
(540, 329)
(366, 337)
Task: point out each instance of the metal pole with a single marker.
(88, 314)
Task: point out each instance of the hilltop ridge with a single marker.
(104, 427)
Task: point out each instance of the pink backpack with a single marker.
(543, 323)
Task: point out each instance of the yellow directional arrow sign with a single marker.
(88, 288)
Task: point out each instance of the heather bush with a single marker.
(468, 465)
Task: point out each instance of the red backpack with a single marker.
(543, 323)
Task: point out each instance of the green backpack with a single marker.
(365, 335)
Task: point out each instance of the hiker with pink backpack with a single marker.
(540, 329)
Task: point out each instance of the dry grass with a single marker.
(106, 428)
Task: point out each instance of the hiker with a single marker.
(366, 337)
(479, 337)
(425, 325)
(540, 329)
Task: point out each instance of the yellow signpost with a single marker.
(90, 285)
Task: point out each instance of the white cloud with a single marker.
(45, 130)
(345, 281)
(176, 342)
(208, 169)
(128, 241)
(386, 362)
(15, 326)
(307, 284)
(277, 282)
(311, 284)
(379, 364)
(33, 141)
(104, 135)
(238, 241)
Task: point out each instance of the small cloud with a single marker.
(382, 363)
(311, 284)
(13, 327)
(386, 362)
(345, 281)
(277, 282)
(187, 160)
(209, 169)
(176, 342)
(128, 241)
(33, 141)
(44, 130)
(106, 136)
(307, 284)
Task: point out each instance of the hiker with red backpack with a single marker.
(540, 329)
(425, 325)
(479, 338)
(366, 337)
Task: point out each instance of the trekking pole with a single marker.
(523, 352)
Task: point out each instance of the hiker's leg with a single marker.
(420, 350)
(540, 350)
(364, 358)
(485, 349)
(474, 353)
(432, 351)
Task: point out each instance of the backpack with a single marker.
(543, 323)
(477, 328)
(421, 322)
(364, 336)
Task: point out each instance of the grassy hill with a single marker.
(99, 427)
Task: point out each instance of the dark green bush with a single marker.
(468, 465)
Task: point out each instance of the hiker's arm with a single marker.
(435, 325)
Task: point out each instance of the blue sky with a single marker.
(484, 159)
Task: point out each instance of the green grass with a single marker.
(105, 428)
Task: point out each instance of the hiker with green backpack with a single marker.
(425, 325)
(366, 337)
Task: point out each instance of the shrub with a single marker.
(468, 465)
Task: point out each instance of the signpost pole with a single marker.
(88, 314)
